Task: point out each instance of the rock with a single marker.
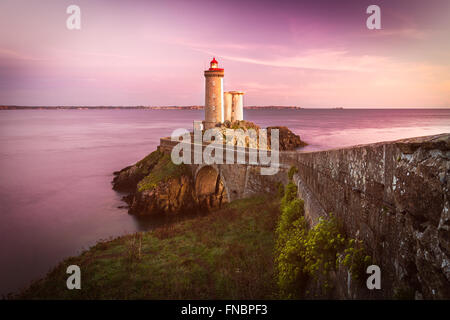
(156, 186)
(126, 179)
(288, 139)
(245, 125)
(173, 196)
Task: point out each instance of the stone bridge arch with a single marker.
(210, 187)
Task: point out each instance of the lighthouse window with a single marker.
(214, 108)
(214, 83)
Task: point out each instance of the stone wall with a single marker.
(394, 196)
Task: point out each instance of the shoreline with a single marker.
(138, 107)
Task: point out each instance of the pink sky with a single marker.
(303, 53)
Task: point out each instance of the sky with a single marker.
(294, 53)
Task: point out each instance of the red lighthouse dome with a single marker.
(214, 65)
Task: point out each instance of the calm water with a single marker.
(56, 170)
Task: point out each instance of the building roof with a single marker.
(214, 61)
(234, 92)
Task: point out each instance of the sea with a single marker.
(56, 168)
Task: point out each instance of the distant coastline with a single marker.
(134, 107)
(4, 107)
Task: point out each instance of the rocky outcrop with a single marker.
(127, 179)
(156, 186)
(173, 196)
(288, 139)
(238, 124)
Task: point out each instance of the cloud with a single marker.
(283, 57)
(14, 55)
(409, 33)
(326, 60)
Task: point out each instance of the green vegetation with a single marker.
(236, 126)
(227, 254)
(292, 170)
(306, 256)
(145, 165)
(163, 170)
(280, 189)
(244, 125)
(356, 259)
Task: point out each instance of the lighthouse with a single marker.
(219, 106)
(213, 95)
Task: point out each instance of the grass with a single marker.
(145, 165)
(228, 254)
(163, 170)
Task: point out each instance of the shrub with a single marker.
(292, 170)
(280, 190)
(289, 260)
(290, 231)
(290, 193)
(304, 254)
(321, 246)
(355, 259)
(291, 212)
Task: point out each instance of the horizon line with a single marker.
(201, 107)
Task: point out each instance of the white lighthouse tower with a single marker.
(213, 95)
(219, 105)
